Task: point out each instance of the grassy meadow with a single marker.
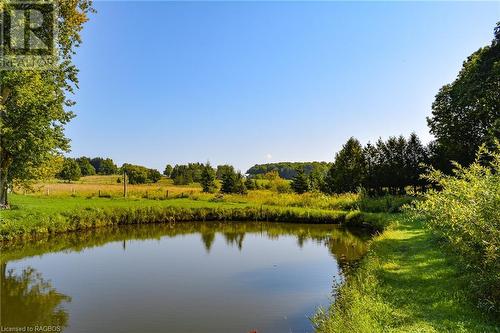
(94, 201)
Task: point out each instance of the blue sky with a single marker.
(256, 82)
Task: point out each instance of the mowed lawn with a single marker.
(408, 282)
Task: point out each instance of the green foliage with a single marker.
(186, 174)
(251, 184)
(86, 168)
(168, 170)
(288, 170)
(466, 113)
(34, 105)
(207, 181)
(70, 170)
(387, 167)
(224, 169)
(466, 212)
(347, 172)
(232, 182)
(137, 174)
(154, 175)
(300, 183)
(104, 166)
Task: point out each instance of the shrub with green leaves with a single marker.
(465, 210)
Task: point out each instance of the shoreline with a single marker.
(24, 224)
(407, 282)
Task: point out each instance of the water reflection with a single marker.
(180, 277)
(29, 300)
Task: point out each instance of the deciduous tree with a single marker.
(34, 103)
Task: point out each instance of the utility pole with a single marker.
(124, 184)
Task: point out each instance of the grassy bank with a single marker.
(406, 283)
(34, 216)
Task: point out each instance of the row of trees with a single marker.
(205, 174)
(465, 115)
(74, 168)
(386, 166)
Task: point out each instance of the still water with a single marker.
(182, 277)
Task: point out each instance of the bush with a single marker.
(70, 170)
(465, 211)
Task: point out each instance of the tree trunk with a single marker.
(4, 203)
(5, 163)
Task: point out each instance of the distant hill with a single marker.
(288, 170)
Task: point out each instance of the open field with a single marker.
(91, 186)
(106, 186)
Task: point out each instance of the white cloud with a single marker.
(269, 156)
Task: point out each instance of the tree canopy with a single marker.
(70, 170)
(466, 112)
(34, 103)
(138, 174)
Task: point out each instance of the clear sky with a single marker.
(255, 82)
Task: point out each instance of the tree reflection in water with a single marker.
(29, 300)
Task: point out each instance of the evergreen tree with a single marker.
(300, 183)
(207, 181)
(250, 183)
(415, 156)
(239, 184)
(347, 172)
(233, 182)
(228, 181)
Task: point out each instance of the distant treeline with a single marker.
(74, 168)
(288, 170)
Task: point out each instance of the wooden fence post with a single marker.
(124, 184)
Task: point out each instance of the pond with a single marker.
(178, 277)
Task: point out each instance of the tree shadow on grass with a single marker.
(424, 285)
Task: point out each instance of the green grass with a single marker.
(33, 216)
(406, 283)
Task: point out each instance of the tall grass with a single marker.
(107, 186)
